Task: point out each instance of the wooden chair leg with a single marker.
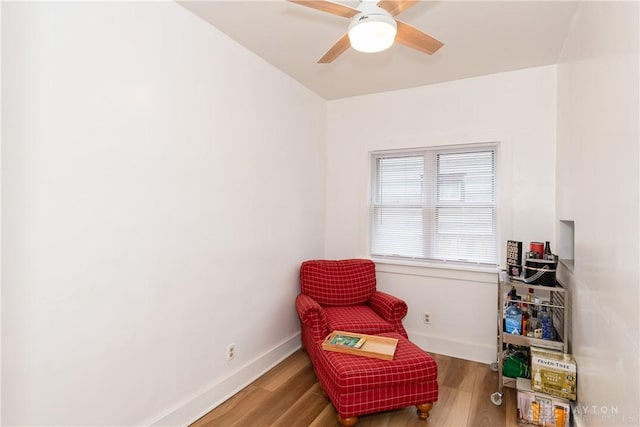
(424, 409)
(347, 422)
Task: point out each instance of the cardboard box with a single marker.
(514, 258)
(554, 373)
(539, 409)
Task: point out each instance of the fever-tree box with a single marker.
(554, 373)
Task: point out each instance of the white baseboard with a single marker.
(454, 348)
(223, 388)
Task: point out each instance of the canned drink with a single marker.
(537, 247)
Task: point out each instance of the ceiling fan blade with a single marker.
(336, 50)
(410, 36)
(396, 7)
(329, 7)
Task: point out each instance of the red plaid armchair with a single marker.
(341, 295)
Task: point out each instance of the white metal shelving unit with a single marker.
(558, 298)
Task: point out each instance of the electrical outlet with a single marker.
(426, 318)
(231, 351)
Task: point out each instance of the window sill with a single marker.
(440, 270)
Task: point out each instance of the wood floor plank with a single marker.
(451, 409)
(443, 366)
(227, 413)
(406, 417)
(460, 374)
(289, 395)
(306, 409)
(327, 418)
(281, 373)
(278, 402)
(510, 403)
(377, 420)
(483, 413)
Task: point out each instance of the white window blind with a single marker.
(436, 204)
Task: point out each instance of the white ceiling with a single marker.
(480, 37)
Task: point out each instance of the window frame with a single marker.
(429, 206)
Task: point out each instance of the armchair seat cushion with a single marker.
(356, 318)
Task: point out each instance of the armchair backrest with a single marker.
(338, 283)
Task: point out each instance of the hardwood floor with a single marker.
(288, 395)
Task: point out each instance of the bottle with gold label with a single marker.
(525, 322)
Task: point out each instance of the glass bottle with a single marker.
(547, 251)
(530, 295)
(546, 323)
(513, 319)
(525, 321)
(533, 325)
(536, 307)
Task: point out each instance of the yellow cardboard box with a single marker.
(554, 373)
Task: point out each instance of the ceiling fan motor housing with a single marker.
(373, 30)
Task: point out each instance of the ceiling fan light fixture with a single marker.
(372, 32)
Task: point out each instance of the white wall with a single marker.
(160, 186)
(0, 212)
(598, 188)
(518, 109)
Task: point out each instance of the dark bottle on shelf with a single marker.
(547, 251)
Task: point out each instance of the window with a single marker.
(436, 204)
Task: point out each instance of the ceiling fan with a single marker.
(373, 27)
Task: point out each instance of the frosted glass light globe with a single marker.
(372, 32)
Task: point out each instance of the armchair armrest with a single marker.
(390, 308)
(312, 316)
